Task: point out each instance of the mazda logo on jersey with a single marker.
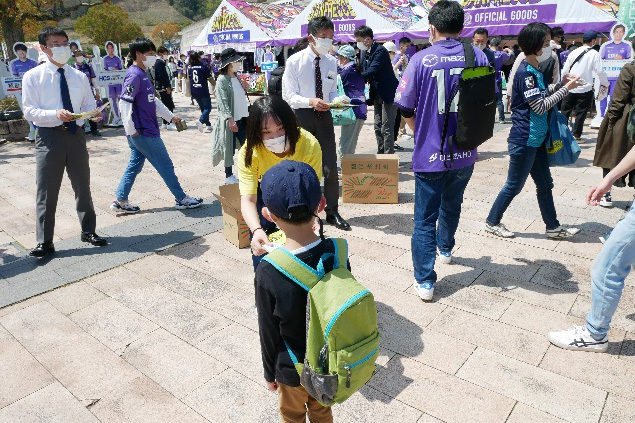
(430, 60)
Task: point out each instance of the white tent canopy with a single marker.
(389, 19)
(574, 16)
(244, 26)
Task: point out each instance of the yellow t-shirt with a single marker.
(307, 150)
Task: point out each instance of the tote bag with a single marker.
(562, 148)
(346, 116)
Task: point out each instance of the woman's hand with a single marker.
(571, 81)
(258, 239)
(233, 126)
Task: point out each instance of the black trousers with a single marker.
(577, 105)
(322, 128)
(167, 100)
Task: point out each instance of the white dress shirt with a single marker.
(590, 64)
(298, 80)
(42, 96)
(126, 109)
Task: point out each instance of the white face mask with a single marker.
(80, 59)
(60, 54)
(546, 54)
(150, 61)
(276, 145)
(237, 67)
(322, 45)
(361, 46)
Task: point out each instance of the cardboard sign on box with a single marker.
(370, 178)
(234, 227)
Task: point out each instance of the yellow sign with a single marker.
(334, 9)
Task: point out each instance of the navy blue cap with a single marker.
(589, 36)
(291, 184)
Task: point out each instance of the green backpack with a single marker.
(343, 341)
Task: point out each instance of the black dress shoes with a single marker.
(94, 239)
(43, 250)
(336, 220)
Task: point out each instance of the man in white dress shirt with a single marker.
(51, 93)
(309, 84)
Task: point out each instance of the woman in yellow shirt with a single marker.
(273, 135)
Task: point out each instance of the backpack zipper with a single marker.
(348, 368)
(337, 314)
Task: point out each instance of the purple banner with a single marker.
(228, 37)
(507, 16)
(341, 27)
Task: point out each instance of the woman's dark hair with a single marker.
(282, 114)
(363, 31)
(141, 45)
(50, 31)
(317, 24)
(171, 59)
(447, 17)
(194, 59)
(532, 37)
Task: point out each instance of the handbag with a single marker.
(563, 149)
(345, 116)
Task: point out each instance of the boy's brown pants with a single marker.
(296, 403)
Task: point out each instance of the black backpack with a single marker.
(476, 106)
(274, 86)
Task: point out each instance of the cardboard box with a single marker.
(234, 227)
(370, 178)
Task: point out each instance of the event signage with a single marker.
(227, 28)
(268, 66)
(11, 85)
(614, 67)
(517, 15)
(341, 13)
(107, 78)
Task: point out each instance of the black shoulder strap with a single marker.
(577, 59)
(470, 57)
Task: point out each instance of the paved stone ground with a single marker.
(160, 326)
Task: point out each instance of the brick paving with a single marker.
(160, 326)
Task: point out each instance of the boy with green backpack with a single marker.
(339, 355)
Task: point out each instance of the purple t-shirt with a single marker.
(138, 90)
(87, 70)
(19, 68)
(429, 79)
(112, 63)
(500, 57)
(612, 51)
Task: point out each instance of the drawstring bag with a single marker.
(562, 149)
(345, 116)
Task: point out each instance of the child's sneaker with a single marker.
(578, 338)
(445, 258)
(606, 201)
(124, 207)
(499, 230)
(424, 290)
(562, 232)
(188, 203)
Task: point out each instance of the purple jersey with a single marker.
(112, 63)
(500, 57)
(87, 70)
(139, 90)
(612, 51)
(428, 81)
(19, 68)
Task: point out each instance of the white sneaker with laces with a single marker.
(562, 232)
(231, 180)
(445, 258)
(124, 207)
(188, 203)
(499, 230)
(606, 201)
(578, 338)
(200, 126)
(209, 128)
(424, 290)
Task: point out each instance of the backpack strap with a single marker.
(341, 253)
(470, 56)
(293, 268)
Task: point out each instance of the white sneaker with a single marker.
(231, 180)
(209, 128)
(424, 290)
(445, 258)
(562, 232)
(499, 230)
(188, 203)
(124, 207)
(200, 126)
(606, 201)
(171, 127)
(578, 338)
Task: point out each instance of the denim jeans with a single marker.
(525, 161)
(438, 197)
(610, 268)
(205, 104)
(153, 149)
(499, 101)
